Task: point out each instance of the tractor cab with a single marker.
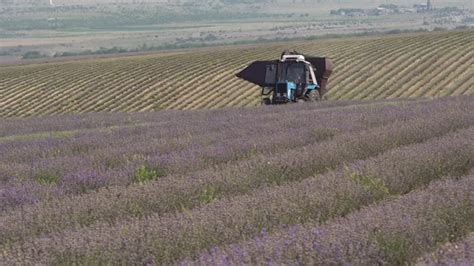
(292, 78)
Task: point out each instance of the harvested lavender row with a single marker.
(175, 193)
(393, 232)
(164, 239)
(78, 174)
(460, 252)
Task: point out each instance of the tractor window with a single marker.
(295, 72)
(270, 74)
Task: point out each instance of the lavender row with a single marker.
(75, 122)
(174, 193)
(172, 133)
(393, 232)
(152, 140)
(40, 126)
(79, 174)
(460, 252)
(155, 139)
(182, 131)
(166, 238)
(82, 175)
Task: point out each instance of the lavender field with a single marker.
(343, 182)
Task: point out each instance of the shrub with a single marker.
(32, 55)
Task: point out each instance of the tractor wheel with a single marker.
(314, 96)
(300, 101)
(266, 101)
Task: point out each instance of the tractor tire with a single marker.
(300, 101)
(314, 96)
(266, 101)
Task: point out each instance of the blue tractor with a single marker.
(293, 78)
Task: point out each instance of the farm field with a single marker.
(384, 181)
(32, 29)
(384, 67)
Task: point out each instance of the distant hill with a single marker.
(391, 66)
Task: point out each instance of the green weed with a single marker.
(372, 184)
(47, 179)
(146, 173)
(209, 194)
(324, 133)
